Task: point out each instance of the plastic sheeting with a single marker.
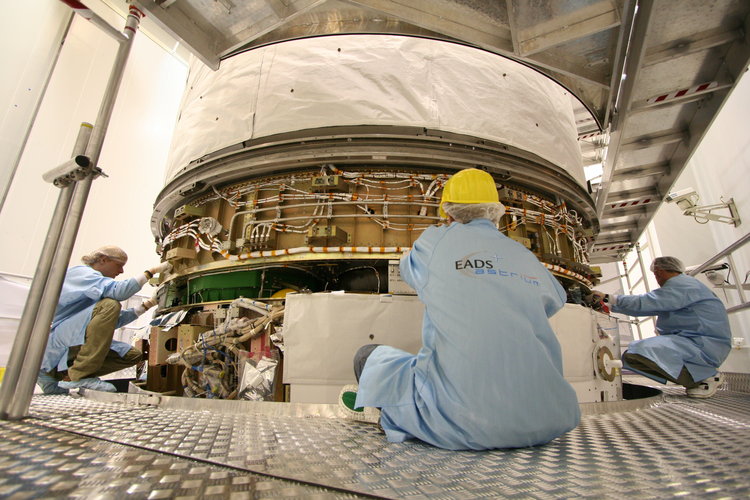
(351, 80)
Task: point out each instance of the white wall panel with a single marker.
(31, 36)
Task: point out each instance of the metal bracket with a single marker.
(706, 212)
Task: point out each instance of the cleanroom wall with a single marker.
(30, 63)
(133, 157)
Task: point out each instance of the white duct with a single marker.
(374, 80)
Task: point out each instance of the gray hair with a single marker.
(110, 251)
(467, 212)
(671, 264)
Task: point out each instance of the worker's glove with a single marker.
(595, 297)
(153, 301)
(164, 267)
(149, 303)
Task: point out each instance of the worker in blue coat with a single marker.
(80, 348)
(489, 373)
(693, 338)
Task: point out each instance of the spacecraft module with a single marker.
(302, 170)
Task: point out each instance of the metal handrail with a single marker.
(730, 249)
(727, 252)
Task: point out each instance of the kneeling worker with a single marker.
(692, 325)
(80, 347)
(489, 373)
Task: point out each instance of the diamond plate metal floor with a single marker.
(48, 463)
(78, 447)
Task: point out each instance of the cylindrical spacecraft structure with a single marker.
(308, 165)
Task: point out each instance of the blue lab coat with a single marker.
(82, 289)
(692, 324)
(489, 373)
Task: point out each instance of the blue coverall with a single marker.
(82, 289)
(489, 373)
(692, 324)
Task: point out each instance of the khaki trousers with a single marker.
(95, 358)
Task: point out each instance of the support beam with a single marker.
(618, 228)
(653, 169)
(697, 43)
(446, 18)
(642, 195)
(512, 9)
(625, 210)
(283, 13)
(201, 38)
(615, 244)
(555, 63)
(566, 27)
(635, 50)
(650, 141)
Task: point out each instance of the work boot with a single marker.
(49, 384)
(92, 383)
(706, 388)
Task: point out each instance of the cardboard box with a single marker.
(161, 345)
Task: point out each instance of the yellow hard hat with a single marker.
(469, 186)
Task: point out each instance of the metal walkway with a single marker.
(82, 448)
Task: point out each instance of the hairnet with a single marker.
(467, 212)
(672, 264)
(110, 251)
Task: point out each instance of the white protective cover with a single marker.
(322, 332)
(374, 80)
